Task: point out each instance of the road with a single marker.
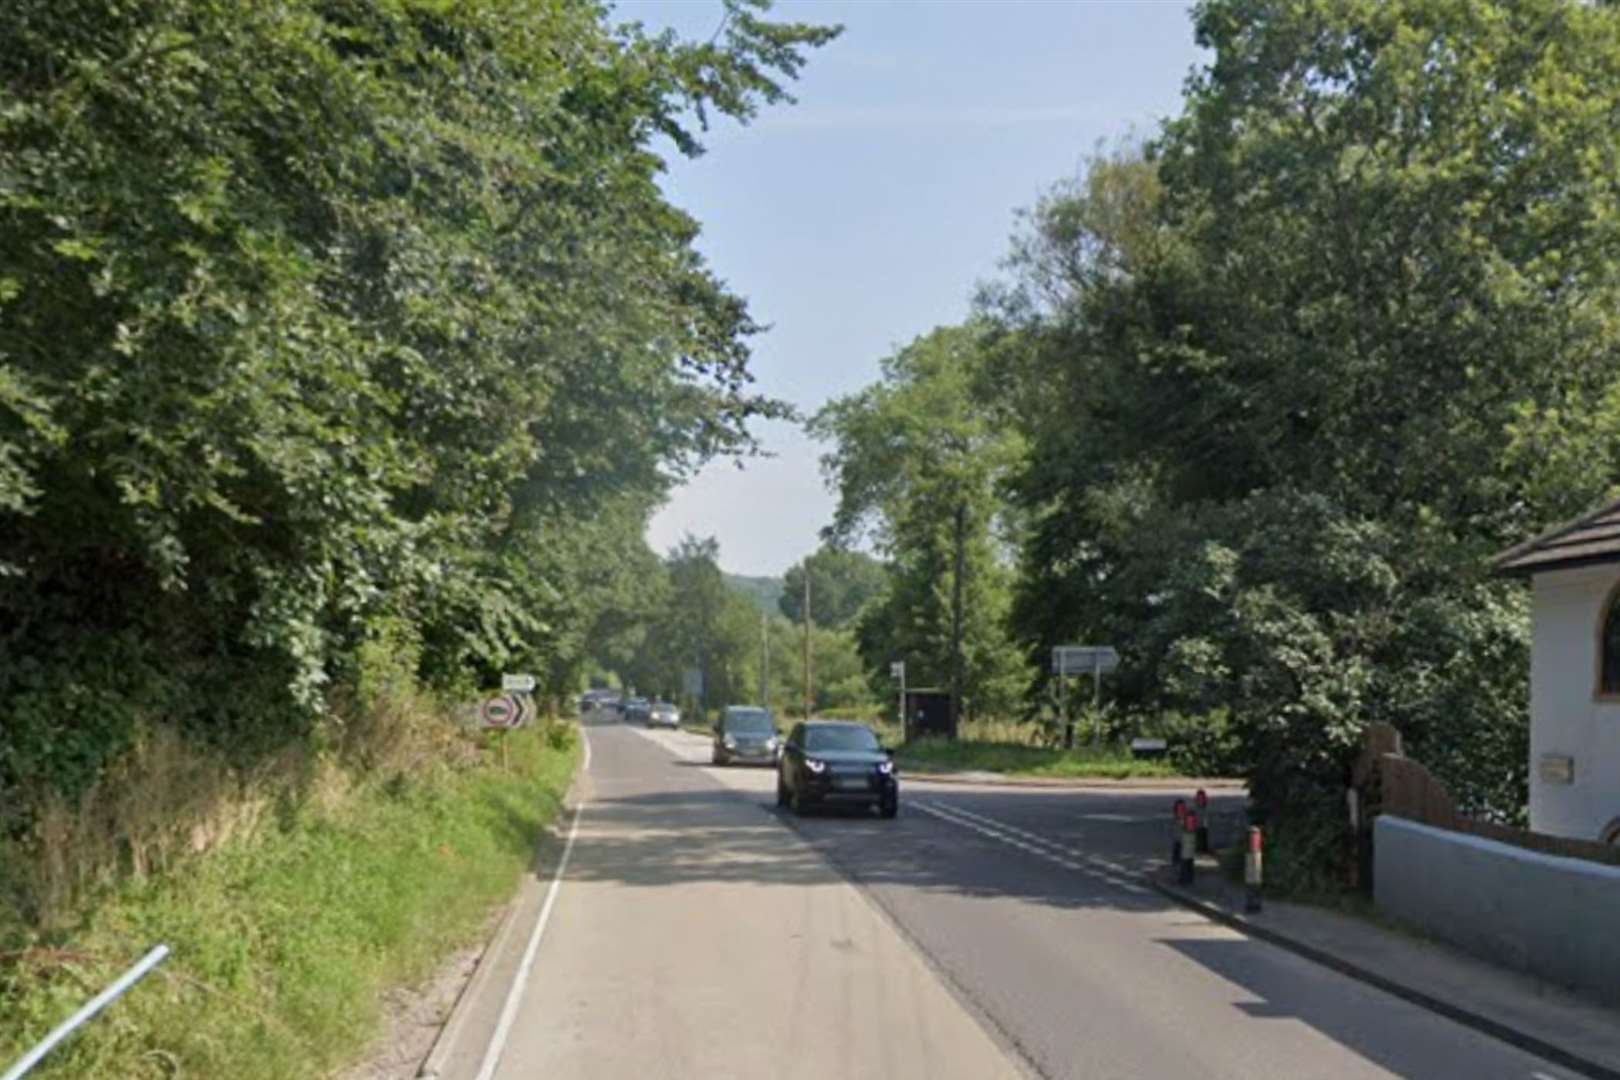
(700, 932)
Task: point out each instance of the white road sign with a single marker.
(1084, 659)
(522, 684)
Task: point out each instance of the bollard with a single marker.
(1178, 813)
(1189, 846)
(1253, 868)
(1201, 800)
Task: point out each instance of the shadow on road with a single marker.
(717, 834)
(1337, 1008)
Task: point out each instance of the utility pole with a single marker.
(765, 660)
(809, 695)
(956, 619)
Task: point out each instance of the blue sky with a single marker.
(865, 214)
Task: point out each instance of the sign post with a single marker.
(509, 710)
(1093, 660)
(897, 670)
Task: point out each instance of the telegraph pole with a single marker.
(765, 660)
(809, 695)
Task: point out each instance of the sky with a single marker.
(865, 214)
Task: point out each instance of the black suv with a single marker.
(827, 762)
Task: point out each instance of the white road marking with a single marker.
(514, 995)
(1032, 843)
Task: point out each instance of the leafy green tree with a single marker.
(326, 323)
(1346, 330)
(841, 583)
(916, 462)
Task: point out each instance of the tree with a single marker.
(1292, 377)
(841, 583)
(325, 324)
(916, 463)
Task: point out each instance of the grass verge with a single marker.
(285, 944)
(1015, 759)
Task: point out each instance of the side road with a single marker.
(695, 937)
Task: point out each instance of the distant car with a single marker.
(636, 710)
(745, 733)
(663, 714)
(598, 698)
(827, 762)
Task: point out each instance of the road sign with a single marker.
(1084, 660)
(897, 670)
(501, 713)
(692, 682)
(523, 684)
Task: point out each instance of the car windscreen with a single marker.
(751, 722)
(839, 738)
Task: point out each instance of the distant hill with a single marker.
(763, 591)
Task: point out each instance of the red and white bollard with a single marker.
(1189, 846)
(1253, 871)
(1178, 813)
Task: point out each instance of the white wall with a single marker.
(1565, 717)
(1544, 914)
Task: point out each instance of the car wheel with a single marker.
(781, 791)
(889, 806)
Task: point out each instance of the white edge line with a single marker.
(514, 995)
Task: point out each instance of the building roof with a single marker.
(1587, 541)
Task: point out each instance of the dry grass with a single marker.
(287, 935)
(169, 800)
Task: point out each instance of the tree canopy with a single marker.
(334, 321)
(1293, 372)
(1255, 399)
(841, 583)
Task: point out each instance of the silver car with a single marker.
(663, 714)
(746, 733)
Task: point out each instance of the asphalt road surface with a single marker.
(700, 932)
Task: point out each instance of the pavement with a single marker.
(1519, 1009)
(991, 930)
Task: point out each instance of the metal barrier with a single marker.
(91, 1008)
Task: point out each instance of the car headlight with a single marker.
(731, 742)
(815, 766)
(885, 767)
(770, 744)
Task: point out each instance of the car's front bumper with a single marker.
(758, 755)
(835, 788)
